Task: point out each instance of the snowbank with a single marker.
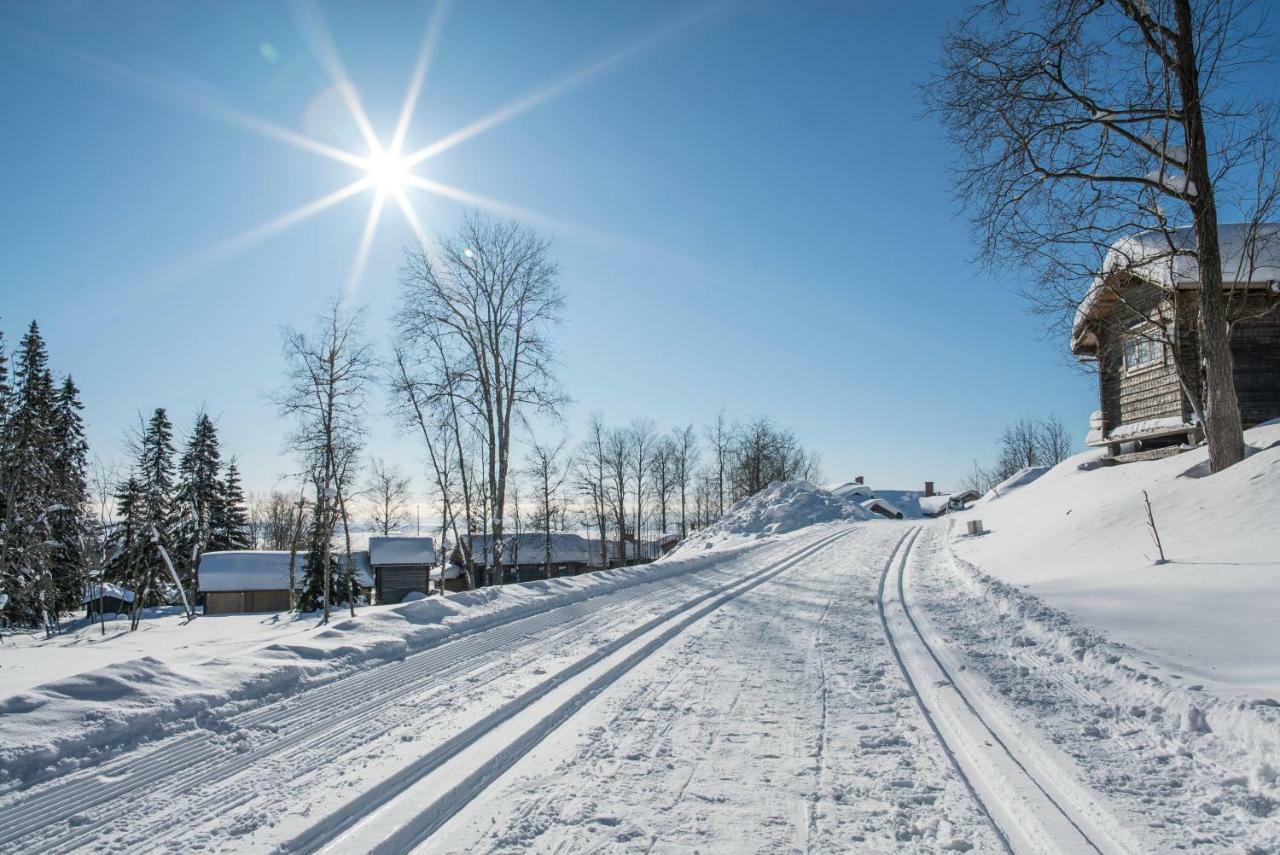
(1021, 478)
(1078, 540)
(163, 684)
(782, 507)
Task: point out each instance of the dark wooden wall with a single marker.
(394, 581)
(1255, 349)
(238, 602)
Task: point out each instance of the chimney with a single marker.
(928, 488)
(857, 479)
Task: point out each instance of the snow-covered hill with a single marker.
(782, 507)
(1078, 539)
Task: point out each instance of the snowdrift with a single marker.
(1078, 539)
(782, 507)
(75, 719)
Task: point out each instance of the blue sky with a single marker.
(759, 216)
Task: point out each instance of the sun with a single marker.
(389, 174)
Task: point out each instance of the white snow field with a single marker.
(796, 678)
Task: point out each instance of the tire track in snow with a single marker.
(1032, 817)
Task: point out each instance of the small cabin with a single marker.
(106, 599)
(1138, 324)
(883, 508)
(248, 580)
(401, 565)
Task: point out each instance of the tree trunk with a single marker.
(1222, 427)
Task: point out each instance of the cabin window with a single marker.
(1141, 352)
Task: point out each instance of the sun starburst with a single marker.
(384, 168)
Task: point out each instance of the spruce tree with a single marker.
(231, 518)
(155, 474)
(127, 538)
(68, 521)
(29, 488)
(199, 494)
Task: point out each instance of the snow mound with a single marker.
(1021, 478)
(781, 507)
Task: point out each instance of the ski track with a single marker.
(1032, 795)
(212, 789)
(1163, 782)
(720, 739)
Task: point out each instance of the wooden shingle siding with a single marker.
(394, 582)
(1152, 392)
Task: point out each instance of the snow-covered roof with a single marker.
(850, 489)
(401, 550)
(108, 590)
(451, 571)
(364, 570)
(935, 504)
(249, 570)
(566, 547)
(881, 506)
(1250, 255)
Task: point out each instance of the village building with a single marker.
(106, 599)
(248, 580)
(524, 555)
(1138, 323)
(401, 565)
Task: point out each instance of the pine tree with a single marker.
(230, 527)
(156, 513)
(67, 515)
(127, 538)
(198, 497)
(29, 491)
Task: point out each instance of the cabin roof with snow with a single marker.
(566, 548)
(401, 551)
(1250, 257)
(108, 590)
(249, 570)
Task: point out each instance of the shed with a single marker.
(400, 565)
(883, 508)
(107, 599)
(451, 577)
(1138, 323)
(247, 580)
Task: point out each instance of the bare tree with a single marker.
(328, 376)
(1079, 121)
(273, 520)
(684, 443)
(485, 302)
(1053, 441)
(720, 435)
(642, 436)
(546, 468)
(617, 464)
(663, 466)
(589, 473)
(387, 489)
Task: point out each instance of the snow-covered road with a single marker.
(830, 689)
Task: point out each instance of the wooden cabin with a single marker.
(106, 599)
(401, 565)
(247, 580)
(524, 556)
(1138, 323)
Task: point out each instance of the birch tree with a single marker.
(328, 376)
(388, 492)
(487, 301)
(546, 468)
